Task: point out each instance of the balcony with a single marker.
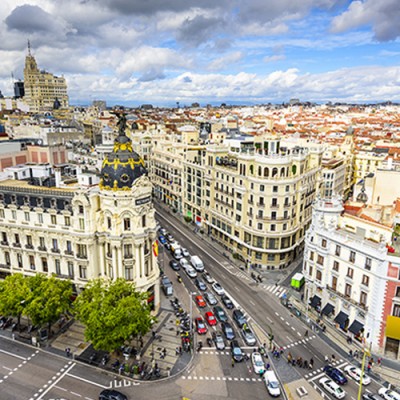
(82, 256)
(42, 248)
(17, 244)
(274, 205)
(55, 250)
(347, 298)
(5, 266)
(4, 243)
(29, 246)
(69, 253)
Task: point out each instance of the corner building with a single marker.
(79, 233)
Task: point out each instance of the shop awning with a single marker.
(341, 318)
(315, 301)
(328, 309)
(393, 327)
(356, 327)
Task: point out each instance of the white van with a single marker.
(272, 384)
(197, 263)
(178, 253)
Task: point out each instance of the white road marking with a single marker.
(87, 381)
(269, 319)
(252, 302)
(13, 355)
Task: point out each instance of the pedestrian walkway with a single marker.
(277, 290)
(220, 378)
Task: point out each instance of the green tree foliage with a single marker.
(14, 295)
(113, 312)
(50, 297)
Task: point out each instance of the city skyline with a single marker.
(130, 52)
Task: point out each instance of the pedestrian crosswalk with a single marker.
(277, 290)
(303, 341)
(220, 378)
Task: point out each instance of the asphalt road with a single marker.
(264, 311)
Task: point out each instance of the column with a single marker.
(114, 262)
(102, 260)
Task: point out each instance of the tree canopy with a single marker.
(112, 312)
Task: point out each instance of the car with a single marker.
(210, 318)
(218, 289)
(236, 351)
(112, 394)
(185, 252)
(200, 301)
(239, 318)
(248, 335)
(355, 373)
(167, 245)
(258, 363)
(219, 341)
(163, 231)
(335, 374)
(228, 331)
(200, 326)
(207, 277)
(388, 394)
(212, 301)
(220, 314)
(371, 396)
(272, 383)
(184, 263)
(174, 265)
(127, 351)
(191, 272)
(227, 301)
(170, 238)
(162, 239)
(200, 284)
(332, 388)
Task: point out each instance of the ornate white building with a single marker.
(81, 233)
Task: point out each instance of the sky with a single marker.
(207, 51)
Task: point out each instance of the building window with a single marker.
(45, 266)
(70, 265)
(82, 272)
(55, 244)
(17, 239)
(323, 243)
(67, 221)
(337, 250)
(310, 270)
(14, 214)
(7, 258)
(274, 202)
(81, 224)
(58, 267)
(32, 265)
(259, 226)
(365, 280)
(311, 255)
(40, 218)
(1, 213)
(19, 260)
(143, 221)
(273, 215)
(368, 264)
(53, 219)
(129, 274)
(127, 224)
(336, 266)
(80, 209)
(397, 291)
(334, 283)
(108, 222)
(352, 257)
(127, 251)
(363, 298)
(29, 240)
(69, 246)
(396, 310)
(319, 275)
(273, 227)
(347, 290)
(42, 243)
(27, 216)
(82, 251)
(320, 260)
(350, 272)
(271, 257)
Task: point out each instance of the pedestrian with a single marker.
(311, 364)
(379, 362)
(369, 368)
(141, 342)
(333, 358)
(350, 353)
(356, 353)
(305, 364)
(233, 362)
(293, 362)
(267, 366)
(153, 334)
(306, 333)
(68, 352)
(281, 350)
(326, 359)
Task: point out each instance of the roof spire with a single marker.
(29, 47)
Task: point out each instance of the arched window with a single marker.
(282, 172)
(294, 169)
(274, 172)
(259, 171)
(266, 172)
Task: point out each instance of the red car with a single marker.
(210, 318)
(200, 326)
(200, 301)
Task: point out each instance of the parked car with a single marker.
(170, 238)
(210, 298)
(228, 331)
(332, 388)
(210, 318)
(184, 263)
(162, 239)
(335, 374)
(371, 396)
(239, 318)
(200, 326)
(207, 277)
(200, 301)
(112, 394)
(227, 301)
(220, 314)
(355, 373)
(236, 351)
(218, 340)
(163, 231)
(218, 289)
(248, 336)
(200, 284)
(258, 363)
(389, 394)
(185, 252)
(174, 265)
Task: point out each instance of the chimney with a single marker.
(58, 177)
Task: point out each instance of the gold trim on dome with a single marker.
(117, 162)
(122, 147)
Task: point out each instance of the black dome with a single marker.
(123, 166)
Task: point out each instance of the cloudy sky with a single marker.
(164, 51)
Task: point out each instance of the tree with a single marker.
(14, 296)
(50, 297)
(113, 312)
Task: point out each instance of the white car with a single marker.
(207, 277)
(388, 394)
(218, 289)
(191, 272)
(355, 373)
(258, 363)
(184, 263)
(332, 388)
(185, 252)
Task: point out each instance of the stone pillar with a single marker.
(114, 261)
(102, 262)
